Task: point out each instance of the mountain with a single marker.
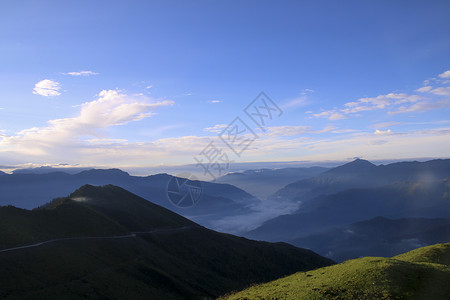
(2, 173)
(104, 242)
(328, 212)
(264, 182)
(377, 237)
(420, 274)
(216, 201)
(46, 170)
(363, 174)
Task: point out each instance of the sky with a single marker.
(135, 84)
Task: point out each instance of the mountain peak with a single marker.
(354, 167)
(358, 164)
(360, 161)
(89, 190)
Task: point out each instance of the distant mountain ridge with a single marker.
(264, 182)
(32, 190)
(323, 213)
(363, 174)
(377, 237)
(345, 197)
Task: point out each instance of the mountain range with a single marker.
(215, 201)
(105, 242)
(363, 174)
(339, 201)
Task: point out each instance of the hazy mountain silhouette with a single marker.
(46, 170)
(365, 191)
(264, 182)
(377, 237)
(363, 174)
(95, 253)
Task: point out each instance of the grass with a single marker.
(420, 274)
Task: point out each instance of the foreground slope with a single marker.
(420, 274)
(124, 246)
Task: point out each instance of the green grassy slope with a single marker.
(420, 274)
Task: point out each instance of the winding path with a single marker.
(131, 235)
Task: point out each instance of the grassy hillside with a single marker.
(420, 274)
(178, 259)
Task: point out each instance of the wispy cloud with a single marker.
(215, 101)
(424, 89)
(332, 115)
(422, 106)
(395, 102)
(441, 91)
(47, 88)
(216, 128)
(385, 124)
(302, 100)
(288, 130)
(81, 73)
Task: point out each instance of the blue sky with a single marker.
(147, 83)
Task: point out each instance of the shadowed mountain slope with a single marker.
(169, 257)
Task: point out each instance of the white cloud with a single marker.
(379, 102)
(441, 91)
(110, 109)
(288, 130)
(446, 74)
(81, 73)
(215, 101)
(216, 128)
(422, 106)
(381, 132)
(307, 91)
(47, 88)
(345, 131)
(424, 89)
(368, 104)
(332, 115)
